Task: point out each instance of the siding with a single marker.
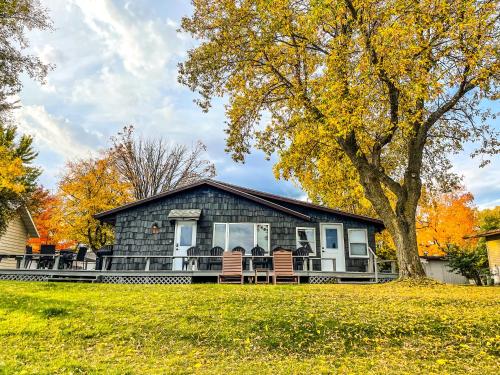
(13, 241)
(493, 246)
(133, 226)
(438, 270)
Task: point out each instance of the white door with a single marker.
(185, 237)
(332, 248)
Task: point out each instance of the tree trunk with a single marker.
(405, 239)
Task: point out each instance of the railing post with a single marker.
(374, 264)
(56, 263)
(148, 263)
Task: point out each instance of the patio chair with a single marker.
(80, 257)
(232, 268)
(301, 258)
(47, 261)
(243, 252)
(216, 251)
(259, 263)
(28, 258)
(283, 267)
(192, 259)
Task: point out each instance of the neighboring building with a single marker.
(436, 267)
(492, 238)
(20, 228)
(211, 213)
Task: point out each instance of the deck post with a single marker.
(56, 263)
(148, 263)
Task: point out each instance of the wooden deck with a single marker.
(178, 277)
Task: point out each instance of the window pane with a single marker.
(331, 236)
(263, 236)
(357, 235)
(306, 238)
(359, 249)
(186, 235)
(220, 235)
(241, 235)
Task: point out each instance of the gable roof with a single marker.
(486, 234)
(28, 222)
(250, 194)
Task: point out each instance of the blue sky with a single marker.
(116, 64)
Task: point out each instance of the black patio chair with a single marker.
(47, 262)
(66, 258)
(259, 263)
(192, 258)
(100, 254)
(301, 258)
(80, 257)
(28, 258)
(216, 251)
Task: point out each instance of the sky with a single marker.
(116, 64)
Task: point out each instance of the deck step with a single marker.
(73, 279)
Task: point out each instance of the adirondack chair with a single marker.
(283, 267)
(232, 268)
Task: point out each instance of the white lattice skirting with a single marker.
(146, 279)
(24, 277)
(323, 280)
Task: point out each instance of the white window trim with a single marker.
(226, 237)
(315, 248)
(366, 242)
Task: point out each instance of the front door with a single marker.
(332, 248)
(185, 237)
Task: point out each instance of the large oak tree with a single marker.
(375, 92)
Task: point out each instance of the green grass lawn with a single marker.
(82, 328)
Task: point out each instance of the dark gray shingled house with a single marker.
(155, 233)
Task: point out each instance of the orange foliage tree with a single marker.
(44, 209)
(443, 220)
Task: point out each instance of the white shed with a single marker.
(436, 267)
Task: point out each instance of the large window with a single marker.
(358, 243)
(245, 235)
(306, 237)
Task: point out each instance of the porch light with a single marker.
(155, 229)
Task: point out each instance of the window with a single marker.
(186, 235)
(358, 243)
(247, 235)
(306, 237)
(331, 238)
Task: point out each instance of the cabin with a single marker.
(19, 229)
(156, 233)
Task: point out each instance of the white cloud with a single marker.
(54, 134)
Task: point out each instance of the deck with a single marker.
(180, 277)
(56, 272)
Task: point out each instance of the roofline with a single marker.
(216, 184)
(29, 223)
(486, 234)
(307, 204)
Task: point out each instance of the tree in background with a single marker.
(383, 89)
(152, 166)
(45, 208)
(17, 174)
(469, 262)
(87, 187)
(444, 220)
(16, 18)
(489, 218)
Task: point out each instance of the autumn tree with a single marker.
(87, 187)
(17, 174)
(16, 18)
(45, 208)
(489, 218)
(367, 91)
(443, 220)
(154, 165)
